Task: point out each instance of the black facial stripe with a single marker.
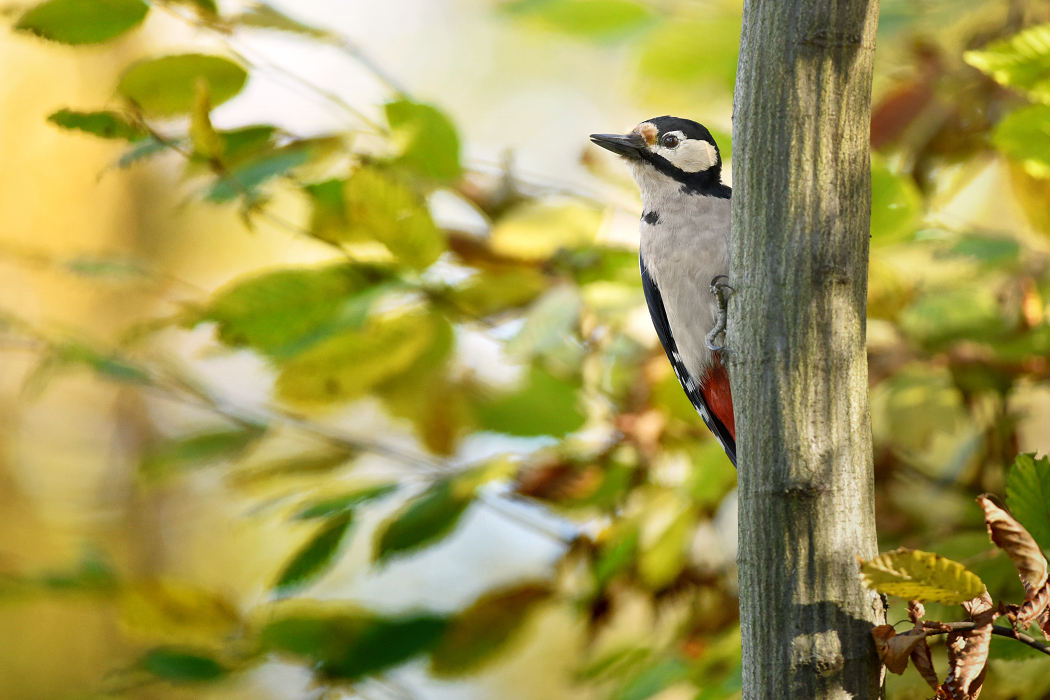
(706, 182)
(651, 218)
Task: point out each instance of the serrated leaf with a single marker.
(193, 451)
(179, 666)
(107, 125)
(1024, 136)
(167, 86)
(285, 312)
(346, 503)
(536, 230)
(1009, 535)
(1028, 495)
(381, 208)
(350, 646)
(83, 21)
(427, 140)
(1021, 61)
(546, 405)
(482, 630)
(916, 575)
(592, 19)
(314, 557)
(968, 660)
(425, 519)
(349, 364)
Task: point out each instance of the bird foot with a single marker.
(718, 288)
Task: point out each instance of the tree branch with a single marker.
(1007, 632)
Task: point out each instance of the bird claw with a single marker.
(718, 288)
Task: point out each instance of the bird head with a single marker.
(668, 152)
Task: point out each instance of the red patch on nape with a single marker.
(718, 397)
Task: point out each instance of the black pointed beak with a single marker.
(629, 146)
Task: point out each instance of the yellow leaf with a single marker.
(178, 612)
(206, 140)
(348, 365)
(915, 575)
(535, 231)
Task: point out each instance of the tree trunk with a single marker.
(796, 355)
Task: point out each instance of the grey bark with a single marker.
(796, 355)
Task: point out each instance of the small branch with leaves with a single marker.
(923, 576)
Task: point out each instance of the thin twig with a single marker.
(1007, 632)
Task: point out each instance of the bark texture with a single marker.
(801, 210)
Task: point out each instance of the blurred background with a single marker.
(325, 369)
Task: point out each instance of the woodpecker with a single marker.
(684, 255)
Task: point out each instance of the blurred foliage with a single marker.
(595, 445)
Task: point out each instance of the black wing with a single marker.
(689, 382)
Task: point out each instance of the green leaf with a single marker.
(347, 503)
(492, 292)
(265, 164)
(196, 450)
(1024, 136)
(390, 642)
(1021, 61)
(315, 556)
(895, 205)
(672, 55)
(1028, 495)
(662, 560)
(987, 250)
(143, 149)
(83, 21)
(347, 365)
(180, 666)
(941, 316)
(482, 630)
(426, 519)
(288, 311)
(246, 143)
(380, 208)
(592, 19)
(427, 138)
(349, 646)
(914, 575)
(167, 86)
(107, 125)
(654, 679)
(536, 230)
(549, 324)
(546, 405)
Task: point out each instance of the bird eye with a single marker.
(670, 141)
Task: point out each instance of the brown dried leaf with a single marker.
(895, 649)
(1044, 623)
(916, 611)
(1011, 537)
(1035, 604)
(968, 658)
(981, 604)
(920, 656)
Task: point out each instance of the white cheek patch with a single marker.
(691, 156)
